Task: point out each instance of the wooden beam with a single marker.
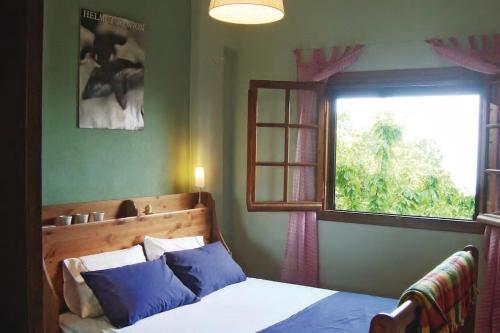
(401, 221)
(284, 125)
(287, 145)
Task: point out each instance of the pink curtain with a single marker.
(480, 54)
(488, 320)
(300, 265)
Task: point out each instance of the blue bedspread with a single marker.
(341, 312)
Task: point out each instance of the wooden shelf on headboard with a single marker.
(121, 208)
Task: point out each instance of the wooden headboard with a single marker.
(174, 216)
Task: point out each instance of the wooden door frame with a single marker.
(33, 153)
(20, 131)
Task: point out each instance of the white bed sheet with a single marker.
(244, 307)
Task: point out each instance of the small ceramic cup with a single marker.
(81, 218)
(97, 216)
(63, 220)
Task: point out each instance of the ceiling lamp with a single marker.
(247, 11)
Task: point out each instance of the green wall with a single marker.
(197, 73)
(212, 99)
(95, 164)
(373, 259)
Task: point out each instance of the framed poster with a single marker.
(111, 72)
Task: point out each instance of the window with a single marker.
(408, 148)
(414, 153)
(273, 129)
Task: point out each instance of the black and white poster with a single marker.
(111, 82)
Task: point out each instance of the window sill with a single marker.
(400, 221)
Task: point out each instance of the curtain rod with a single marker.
(490, 219)
(394, 42)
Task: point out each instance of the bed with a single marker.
(253, 305)
(286, 300)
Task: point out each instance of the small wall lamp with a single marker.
(199, 182)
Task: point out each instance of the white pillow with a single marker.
(78, 296)
(156, 247)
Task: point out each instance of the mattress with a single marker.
(245, 307)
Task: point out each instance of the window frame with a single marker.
(285, 205)
(404, 79)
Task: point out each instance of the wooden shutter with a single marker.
(490, 178)
(272, 131)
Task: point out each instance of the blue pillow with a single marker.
(130, 293)
(205, 269)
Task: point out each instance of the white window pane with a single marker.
(408, 155)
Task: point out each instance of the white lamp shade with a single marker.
(199, 177)
(247, 11)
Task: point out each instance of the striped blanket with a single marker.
(446, 294)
